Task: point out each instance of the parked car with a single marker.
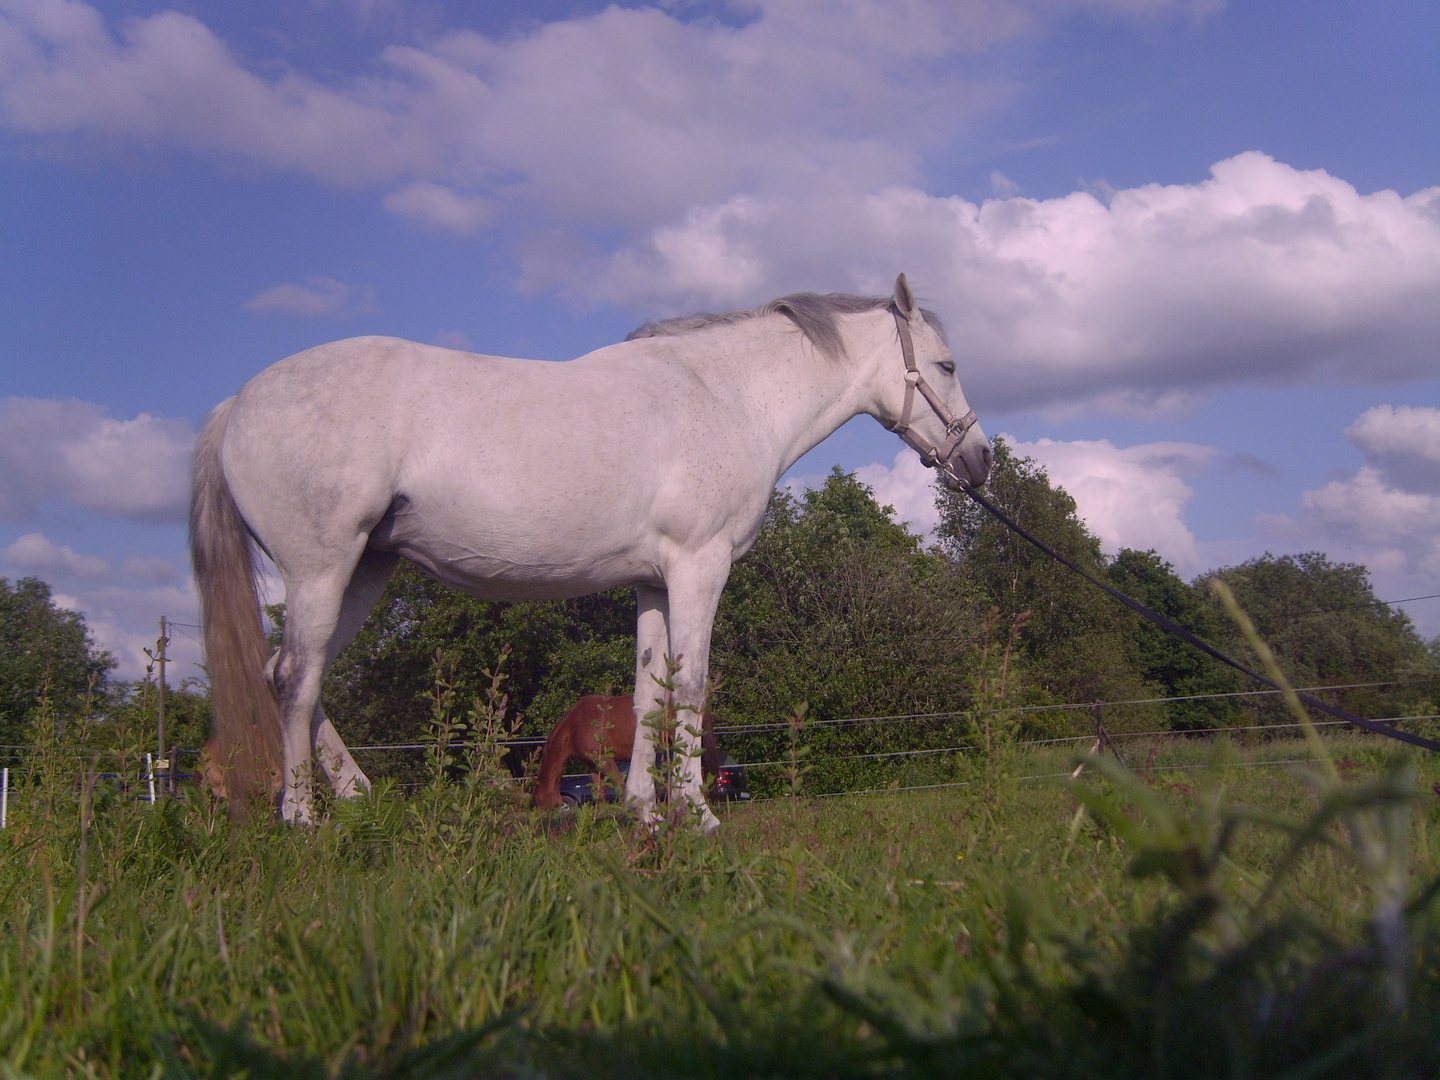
(729, 785)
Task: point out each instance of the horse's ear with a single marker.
(904, 298)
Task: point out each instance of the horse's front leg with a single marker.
(652, 645)
(695, 587)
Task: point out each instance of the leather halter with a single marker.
(955, 430)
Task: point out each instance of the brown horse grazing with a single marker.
(600, 731)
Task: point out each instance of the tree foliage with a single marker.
(839, 605)
(1167, 664)
(1325, 626)
(1076, 644)
(559, 650)
(45, 652)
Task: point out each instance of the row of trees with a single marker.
(1321, 618)
(839, 606)
(48, 661)
(52, 673)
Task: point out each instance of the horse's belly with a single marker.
(528, 560)
(492, 577)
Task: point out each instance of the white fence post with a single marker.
(150, 773)
(5, 797)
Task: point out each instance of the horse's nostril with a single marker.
(988, 457)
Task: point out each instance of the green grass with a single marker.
(971, 931)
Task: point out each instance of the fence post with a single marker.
(150, 774)
(1102, 737)
(5, 797)
(160, 704)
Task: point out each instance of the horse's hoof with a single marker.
(645, 816)
(296, 813)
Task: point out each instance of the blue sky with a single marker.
(1189, 252)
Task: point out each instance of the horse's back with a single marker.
(364, 382)
(511, 479)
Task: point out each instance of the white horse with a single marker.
(647, 463)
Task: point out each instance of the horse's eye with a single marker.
(947, 366)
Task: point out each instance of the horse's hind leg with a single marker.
(346, 777)
(311, 611)
(367, 585)
(313, 606)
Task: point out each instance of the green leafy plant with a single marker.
(993, 723)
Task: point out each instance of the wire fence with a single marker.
(839, 768)
(1079, 707)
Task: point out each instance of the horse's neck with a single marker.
(802, 396)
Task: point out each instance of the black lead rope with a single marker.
(1174, 628)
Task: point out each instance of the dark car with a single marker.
(729, 785)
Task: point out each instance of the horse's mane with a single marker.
(815, 315)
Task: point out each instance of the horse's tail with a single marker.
(246, 725)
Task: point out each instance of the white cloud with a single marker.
(167, 79)
(1262, 272)
(1133, 496)
(1403, 443)
(908, 487)
(1387, 528)
(34, 553)
(1387, 515)
(127, 621)
(121, 617)
(439, 206)
(153, 570)
(1129, 497)
(320, 296)
(74, 451)
(625, 117)
(724, 164)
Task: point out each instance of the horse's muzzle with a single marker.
(968, 465)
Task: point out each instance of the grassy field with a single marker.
(1220, 919)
